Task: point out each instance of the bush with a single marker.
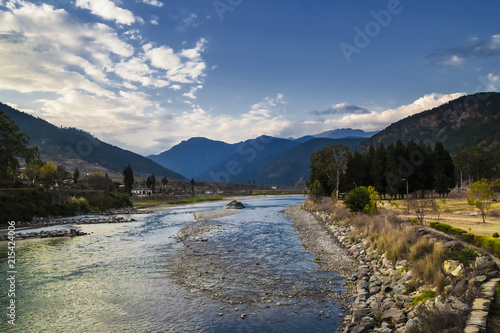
(358, 199)
(426, 295)
(465, 256)
(496, 235)
(444, 319)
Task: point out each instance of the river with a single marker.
(242, 273)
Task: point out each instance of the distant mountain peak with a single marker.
(341, 133)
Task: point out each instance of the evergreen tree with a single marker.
(13, 144)
(128, 179)
(377, 170)
(76, 175)
(444, 170)
(393, 179)
(355, 172)
(192, 186)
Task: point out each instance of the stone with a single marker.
(461, 287)
(374, 289)
(394, 315)
(453, 245)
(359, 312)
(453, 267)
(235, 205)
(361, 329)
(481, 304)
(478, 280)
(483, 263)
(478, 318)
(411, 325)
(460, 306)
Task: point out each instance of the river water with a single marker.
(138, 277)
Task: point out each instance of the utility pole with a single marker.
(407, 197)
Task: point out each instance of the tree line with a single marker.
(394, 171)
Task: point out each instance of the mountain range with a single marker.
(258, 160)
(73, 148)
(466, 122)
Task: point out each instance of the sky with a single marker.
(147, 74)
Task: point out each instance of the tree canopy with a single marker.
(13, 145)
(328, 166)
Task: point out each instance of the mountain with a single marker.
(193, 156)
(342, 133)
(292, 167)
(463, 123)
(249, 158)
(74, 148)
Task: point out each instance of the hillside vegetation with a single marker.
(72, 148)
(464, 123)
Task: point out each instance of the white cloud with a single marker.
(80, 71)
(372, 120)
(155, 3)
(107, 10)
(186, 66)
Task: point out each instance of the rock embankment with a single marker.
(384, 298)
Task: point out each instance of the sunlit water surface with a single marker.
(119, 278)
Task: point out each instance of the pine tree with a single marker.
(128, 179)
(377, 170)
(444, 170)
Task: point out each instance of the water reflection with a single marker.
(135, 277)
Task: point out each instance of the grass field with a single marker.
(456, 212)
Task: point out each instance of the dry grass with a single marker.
(337, 209)
(399, 241)
(456, 212)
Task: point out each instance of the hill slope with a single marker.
(292, 167)
(193, 156)
(460, 124)
(75, 148)
(249, 158)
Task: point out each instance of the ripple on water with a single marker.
(137, 278)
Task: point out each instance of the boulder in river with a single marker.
(235, 205)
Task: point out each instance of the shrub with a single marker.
(421, 248)
(496, 235)
(468, 237)
(424, 297)
(357, 199)
(443, 319)
(465, 256)
(430, 267)
(362, 199)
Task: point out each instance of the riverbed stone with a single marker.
(235, 205)
(394, 315)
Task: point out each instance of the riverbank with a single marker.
(330, 255)
(50, 227)
(410, 279)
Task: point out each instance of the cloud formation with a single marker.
(470, 49)
(107, 10)
(341, 109)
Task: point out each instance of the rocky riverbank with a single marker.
(109, 216)
(330, 255)
(385, 298)
(72, 232)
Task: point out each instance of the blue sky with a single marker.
(146, 74)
